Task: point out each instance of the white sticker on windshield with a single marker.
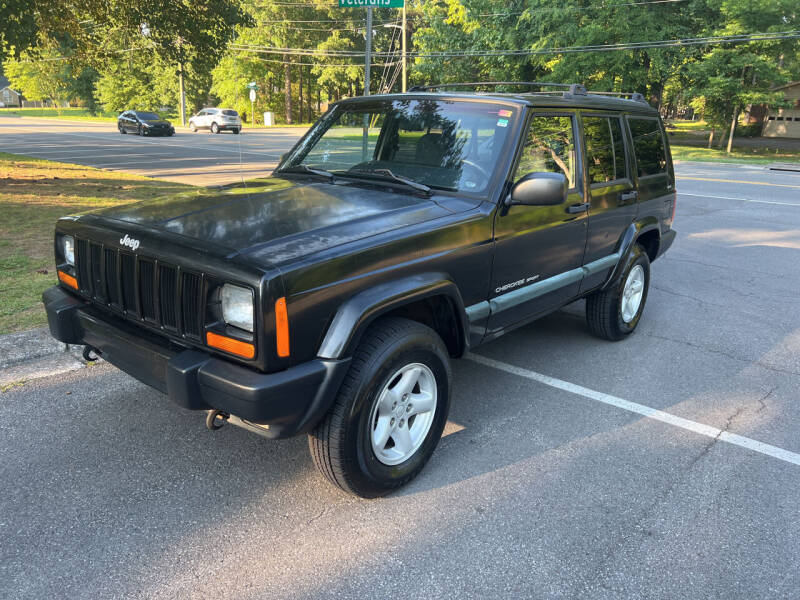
(502, 122)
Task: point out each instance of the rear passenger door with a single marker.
(654, 174)
(612, 193)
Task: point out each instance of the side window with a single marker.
(605, 149)
(549, 147)
(648, 145)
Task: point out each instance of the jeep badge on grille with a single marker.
(129, 242)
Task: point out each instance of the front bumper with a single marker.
(285, 403)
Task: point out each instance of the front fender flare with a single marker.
(355, 315)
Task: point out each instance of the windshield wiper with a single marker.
(307, 169)
(399, 178)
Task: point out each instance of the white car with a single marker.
(216, 120)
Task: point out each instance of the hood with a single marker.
(276, 220)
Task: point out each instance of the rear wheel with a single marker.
(614, 313)
(390, 410)
(236, 131)
(214, 128)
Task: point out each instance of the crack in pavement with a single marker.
(757, 363)
(642, 532)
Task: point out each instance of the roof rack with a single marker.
(569, 89)
(438, 86)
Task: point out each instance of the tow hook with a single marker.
(216, 419)
(90, 354)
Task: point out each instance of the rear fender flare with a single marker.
(354, 316)
(627, 241)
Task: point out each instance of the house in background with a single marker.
(784, 122)
(10, 97)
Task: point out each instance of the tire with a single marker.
(342, 445)
(192, 128)
(236, 131)
(214, 128)
(121, 129)
(610, 313)
(139, 130)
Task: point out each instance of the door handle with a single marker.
(629, 196)
(577, 208)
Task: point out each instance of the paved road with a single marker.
(552, 489)
(195, 158)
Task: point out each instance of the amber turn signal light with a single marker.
(68, 279)
(282, 327)
(231, 345)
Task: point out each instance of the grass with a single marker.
(33, 195)
(755, 156)
(79, 114)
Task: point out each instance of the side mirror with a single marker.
(539, 189)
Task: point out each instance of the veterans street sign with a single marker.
(371, 3)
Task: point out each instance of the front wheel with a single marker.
(214, 128)
(121, 129)
(192, 127)
(390, 410)
(614, 313)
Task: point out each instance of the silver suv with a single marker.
(216, 120)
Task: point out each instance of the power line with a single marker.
(711, 40)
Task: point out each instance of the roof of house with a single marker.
(786, 85)
(8, 87)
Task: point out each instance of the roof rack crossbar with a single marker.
(636, 96)
(422, 88)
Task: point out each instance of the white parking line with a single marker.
(645, 411)
(740, 199)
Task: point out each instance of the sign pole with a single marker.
(368, 53)
(405, 69)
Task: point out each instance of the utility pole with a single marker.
(180, 82)
(368, 53)
(183, 94)
(405, 71)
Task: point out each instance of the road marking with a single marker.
(783, 185)
(640, 409)
(740, 199)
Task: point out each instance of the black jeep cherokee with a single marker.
(399, 232)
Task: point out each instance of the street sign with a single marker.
(252, 95)
(371, 3)
(252, 86)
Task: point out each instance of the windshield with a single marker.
(450, 145)
(147, 116)
(230, 113)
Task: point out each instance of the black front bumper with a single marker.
(290, 402)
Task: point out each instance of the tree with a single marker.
(726, 79)
(41, 74)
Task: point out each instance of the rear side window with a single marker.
(605, 149)
(648, 145)
(549, 147)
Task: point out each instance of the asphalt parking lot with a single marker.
(557, 476)
(200, 158)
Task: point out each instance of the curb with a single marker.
(22, 346)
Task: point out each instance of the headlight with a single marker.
(237, 306)
(68, 249)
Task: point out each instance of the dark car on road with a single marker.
(143, 123)
(400, 232)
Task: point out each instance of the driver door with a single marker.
(539, 249)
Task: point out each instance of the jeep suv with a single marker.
(401, 231)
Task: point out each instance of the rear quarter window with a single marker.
(648, 146)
